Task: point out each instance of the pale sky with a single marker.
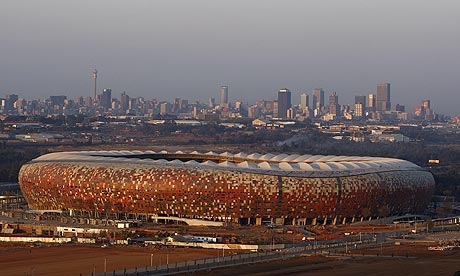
(184, 48)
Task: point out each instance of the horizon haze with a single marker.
(167, 49)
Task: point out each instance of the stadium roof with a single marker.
(281, 164)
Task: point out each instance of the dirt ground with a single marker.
(77, 259)
(407, 260)
(419, 263)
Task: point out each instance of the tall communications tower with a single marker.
(95, 84)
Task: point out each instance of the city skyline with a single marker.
(188, 50)
(379, 106)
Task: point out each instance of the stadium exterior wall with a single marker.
(109, 187)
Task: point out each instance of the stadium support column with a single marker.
(258, 221)
(279, 219)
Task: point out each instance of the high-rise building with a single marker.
(360, 106)
(80, 101)
(183, 104)
(359, 110)
(176, 105)
(383, 97)
(361, 100)
(224, 96)
(89, 101)
(371, 103)
(211, 102)
(124, 101)
(58, 100)
(304, 100)
(290, 113)
(253, 111)
(8, 104)
(318, 98)
(275, 108)
(426, 111)
(400, 108)
(426, 104)
(284, 102)
(106, 98)
(165, 108)
(334, 107)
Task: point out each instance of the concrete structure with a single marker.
(242, 188)
(95, 85)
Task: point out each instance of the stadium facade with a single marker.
(242, 188)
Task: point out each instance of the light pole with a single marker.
(314, 245)
(151, 259)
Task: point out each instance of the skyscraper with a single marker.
(426, 104)
(124, 102)
(334, 108)
(284, 102)
(224, 96)
(383, 97)
(360, 106)
(106, 98)
(9, 102)
(371, 103)
(304, 100)
(318, 98)
(58, 100)
(211, 102)
(400, 108)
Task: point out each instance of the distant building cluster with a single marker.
(371, 107)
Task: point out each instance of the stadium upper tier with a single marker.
(281, 164)
(244, 188)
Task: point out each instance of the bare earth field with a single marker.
(419, 263)
(77, 259)
(358, 266)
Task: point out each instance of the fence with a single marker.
(238, 259)
(207, 263)
(295, 250)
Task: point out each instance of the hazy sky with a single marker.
(167, 49)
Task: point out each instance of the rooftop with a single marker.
(280, 164)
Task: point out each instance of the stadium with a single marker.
(240, 188)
